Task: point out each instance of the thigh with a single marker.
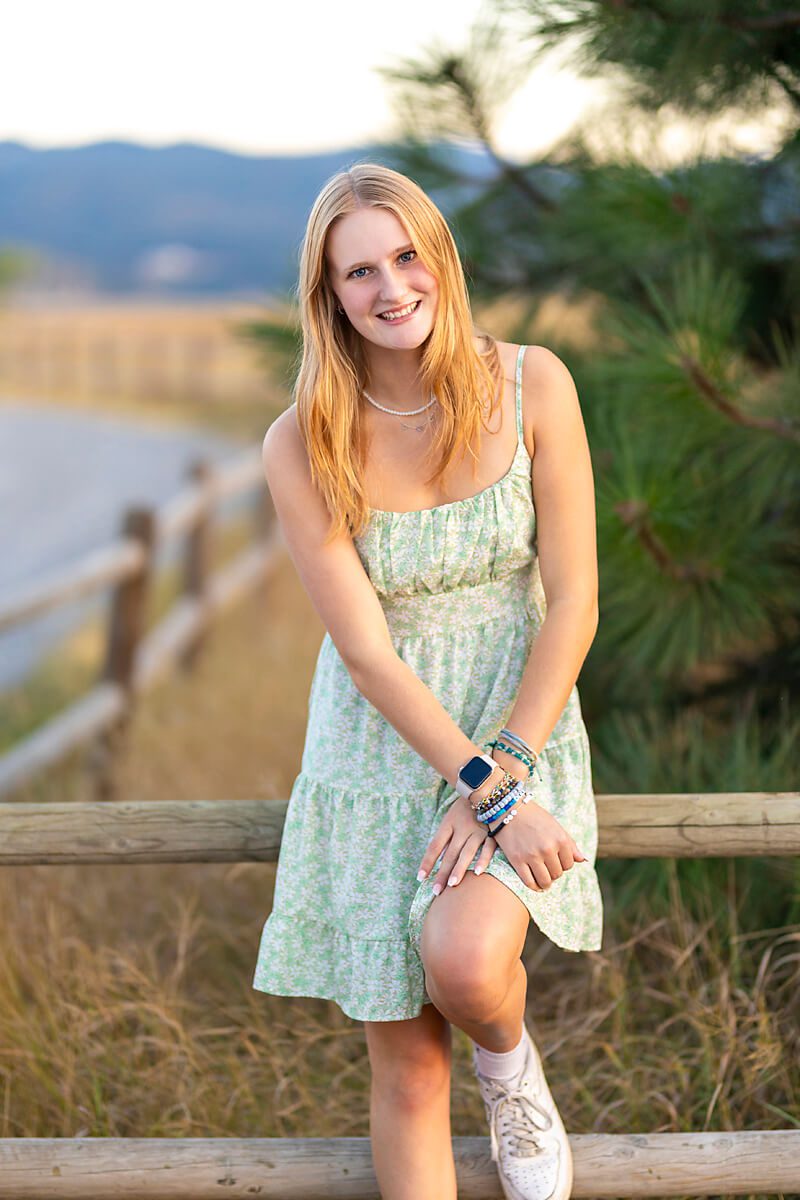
(480, 918)
(422, 1042)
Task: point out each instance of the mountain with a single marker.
(118, 218)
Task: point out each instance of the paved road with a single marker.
(65, 478)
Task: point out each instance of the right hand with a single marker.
(539, 849)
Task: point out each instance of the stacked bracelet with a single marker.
(490, 808)
(501, 803)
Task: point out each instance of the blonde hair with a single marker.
(333, 369)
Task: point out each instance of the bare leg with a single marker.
(477, 980)
(501, 1030)
(412, 1148)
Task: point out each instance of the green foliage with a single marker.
(699, 57)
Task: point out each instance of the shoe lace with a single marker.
(524, 1117)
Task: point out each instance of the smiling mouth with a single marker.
(400, 314)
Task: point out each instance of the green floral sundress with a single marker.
(463, 599)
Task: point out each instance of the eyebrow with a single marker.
(399, 250)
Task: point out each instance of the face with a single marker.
(374, 269)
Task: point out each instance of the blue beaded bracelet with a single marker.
(506, 802)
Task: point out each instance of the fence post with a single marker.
(197, 563)
(125, 630)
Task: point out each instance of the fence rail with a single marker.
(206, 831)
(136, 659)
(605, 1166)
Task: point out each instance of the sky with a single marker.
(249, 76)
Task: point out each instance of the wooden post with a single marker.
(125, 631)
(197, 563)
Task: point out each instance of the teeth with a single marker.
(403, 312)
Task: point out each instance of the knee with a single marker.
(412, 1081)
(467, 983)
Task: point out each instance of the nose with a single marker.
(394, 289)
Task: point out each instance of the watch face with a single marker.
(475, 772)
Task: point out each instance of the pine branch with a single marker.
(635, 515)
(723, 404)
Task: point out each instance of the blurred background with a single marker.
(623, 182)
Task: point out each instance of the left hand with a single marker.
(460, 833)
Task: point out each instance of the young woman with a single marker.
(445, 733)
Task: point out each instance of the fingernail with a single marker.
(452, 880)
(437, 887)
(420, 875)
(478, 870)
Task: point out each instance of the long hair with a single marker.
(334, 370)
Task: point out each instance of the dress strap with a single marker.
(518, 393)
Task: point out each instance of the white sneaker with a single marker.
(528, 1139)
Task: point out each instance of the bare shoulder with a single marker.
(330, 570)
(551, 410)
(282, 437)
(284, 455)
(543, 368)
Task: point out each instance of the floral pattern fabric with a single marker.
(463, 599)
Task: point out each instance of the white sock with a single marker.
(506, 1065)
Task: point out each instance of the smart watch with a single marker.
(473, 773)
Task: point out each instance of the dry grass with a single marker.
(126, 1005)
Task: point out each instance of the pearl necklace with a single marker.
(411, 413)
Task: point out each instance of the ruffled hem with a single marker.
(363, 976)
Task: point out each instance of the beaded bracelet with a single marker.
(520, 749)
(507, 802)
(499, 793)
(504, 798)
(486, 810)
(506, 815)
(506, 782)
(527, 755)
(505, 820)
(509, 749)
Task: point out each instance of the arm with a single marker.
(538, 848)
(563, 490)
(348, 605)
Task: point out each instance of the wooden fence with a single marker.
(208, 831)
(136, 658)
(606, 1165)
(121, 350)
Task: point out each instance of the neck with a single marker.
(394, 376)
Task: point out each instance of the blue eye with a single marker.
(354, 272)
